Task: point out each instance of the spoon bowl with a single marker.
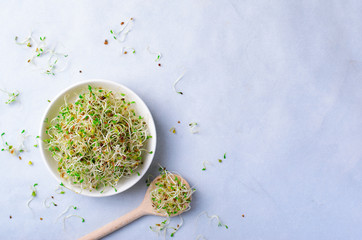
(145, 208)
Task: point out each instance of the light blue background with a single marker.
(277, 85)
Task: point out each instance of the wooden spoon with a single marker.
(145, 208)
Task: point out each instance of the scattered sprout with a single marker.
(41, 49)
(165, 225)
(12, 96)
(173, 130)
(177, 80)
(159, 227)
(60, 189)
(49, 204)
(123, 32)
(177, 227)
(159, 55)
(219, 224)
(14, 150)
(69, 216)
(33, 194)
(27, 41)
(66, 211)
(200, 237)
(194, 127)
(125, 50)
(148, 180)
(204, 164)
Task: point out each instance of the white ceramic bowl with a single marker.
(72, 92)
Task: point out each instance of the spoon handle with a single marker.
(116, 224)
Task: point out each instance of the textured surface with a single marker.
(275, 84)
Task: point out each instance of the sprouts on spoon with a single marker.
(97, 140)
(12, 96)
(171, 195)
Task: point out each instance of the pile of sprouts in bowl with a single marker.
(97, 140)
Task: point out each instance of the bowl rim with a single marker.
(89, 82)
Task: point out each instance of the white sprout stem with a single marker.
(21, 146)
(12, 96)
(178, 226)
(4, 91)
(33, 194)
(128, 49)
(210, 218)
(200, 236)
(25, 41)
(42, 49)
(45, 203)
(193, 128)
(69, 216)
(171, 194)
(175, 83)
(122, 34)
(206, 162)
(159, 55)
(65, 211)
(29, 201)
